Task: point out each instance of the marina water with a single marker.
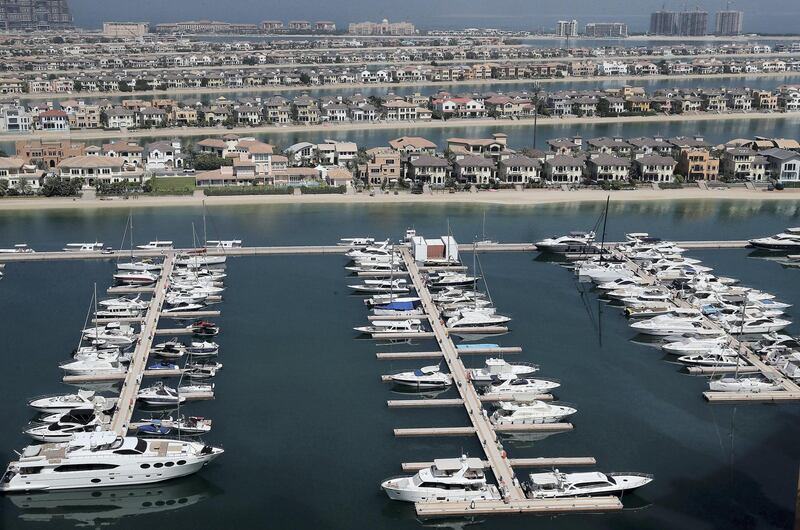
(302, 413)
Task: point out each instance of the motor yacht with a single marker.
(136, 278)
(534, 412)
(63, 403)
(197, 261)
(357, 242)
(603, 272)
(191, 426)
(223, 243)
(499, 370)
(160, 395)
(717, 357)
(475, 319)
(203, 328)
(184, 307)
(392, 327)
(622, 283)
(400, 309)
(124, 302)
(742, 384)
(425, 378)
(448, 479)
(202, 349)
(554, 484)
(67, 425)
(156, 245)
(83, 247)
(398, 285)
(383, 299)
(522, 386)
(119, 312)
(112, 333)
(19, 248)
(752, 326)
(644, 294)
(102, 459)
(180, 297)
(450, 279)
(786, 240)
(202, 370)
(93, 367)
(139, 266)
(693, 346)
(574, 243)
(171, 349)
(378, 250)
(666, 325)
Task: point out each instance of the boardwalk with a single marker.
(133, 379)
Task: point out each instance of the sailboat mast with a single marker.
(205, 233)
(603, 237)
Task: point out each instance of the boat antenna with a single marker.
(205, 233)
(605, 220)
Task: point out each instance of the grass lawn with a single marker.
(170, 185)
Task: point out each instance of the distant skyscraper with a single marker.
(606, 29)
(567, 28)
(729, 23)
(664, 23)
(693, 23)
(34, 14)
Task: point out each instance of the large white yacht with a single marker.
(575, 242)
(692, 346)
(66, 402)
(186, 260)
(156, 245)
(19, 248)
(426, 377)
(83, 247)
(666, 325)
(448, 479)
(752, 326)
(499, 369)
(603, 272)
(476, 319)
(102, 459)
(534, 412)
(786, 240)
(553, 484)
(522, 386)
(224, 243)
(112, 333)
(357, 242)
(139, 266)
(397, 285)
(412, 325)
(742, 384)
(95, 366)
(160, 395)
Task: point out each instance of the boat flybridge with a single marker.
(786, 240)
(102, 459)
(554, 484)
(19, 248)
(83, 247)
(425, 378)
(156, 245)
(448, 479)
(574, 243)
(534, 412)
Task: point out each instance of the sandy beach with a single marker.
(177, 132)
(501, 197)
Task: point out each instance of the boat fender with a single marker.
(503, 454)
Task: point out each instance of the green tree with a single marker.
(208, 162)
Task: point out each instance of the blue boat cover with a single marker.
(398, 306)
(419, 372)
(476, 346)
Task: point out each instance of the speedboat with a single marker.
(390, 327)
(451, 279)
(535, 412)
(19, 248)
(474, 319)
(202, 370)
(124, 301)
(498, 370)
(424, 378)
(63, 403)
(160, 395)
(522, 386)
(203, 328)
(742, 384)
(183, 308)
(204, 348)
(448, 479)
(693, 346)
(162, 365)
(83, 247)
(156, 245)
(786, 240)
(170, 349)
(752, 326)
(554, 484)
(93, 367)
(102, 459)
(574, 243)
(66, 426)
(136, 278)
(191, 426)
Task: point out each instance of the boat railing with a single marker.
(631, 474)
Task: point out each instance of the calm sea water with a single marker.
(300, 408)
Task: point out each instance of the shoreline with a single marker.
(179, 132)
(502, 198)
(155, 94)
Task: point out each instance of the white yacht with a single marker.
(378, 250)
(186, 260)
(718, 357)
(666, 325)
(202, 349)
(93, 367)
(181, 297)
(124, 301)
(448, 479)
(621, 283)
(139, 266)
(182, 307)
(398, 309)
(101, 459)
(554, 484)
(136, 278)
(67, 425)
(693, 346)
(191, 426)
(397, 285)
(224, 243)
(63, 403)
(19, 248)
(644, 294)
(603, 272)
(112, 333)
(390, 327)
(92, 353)
(752, 326)
(383, 299)
(119, 312)
(160, 395)
(356, 242)
(475, 319)
(522, 386)
(742, 384)
(83, 247)
(451, 279)
(499, 370)
(575, 242)
(786, 240)
(535, 412)
(426, 377)
(156, 245)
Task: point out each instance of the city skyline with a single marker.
(775, 16)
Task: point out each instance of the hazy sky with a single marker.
(773, 16)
